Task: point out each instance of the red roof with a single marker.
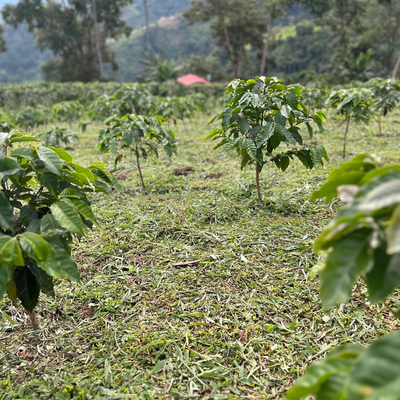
(191, 78)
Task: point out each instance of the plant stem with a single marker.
(34, 320)
(258, 183)
(139, 168)
(345, 138)
(380, 127)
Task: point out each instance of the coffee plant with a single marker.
(30, 118)
(139, 135)
(59, 137)
(386, 96)
(68, 111)
(362, 241)
(356, 104)
(43, 204)
(261, 115)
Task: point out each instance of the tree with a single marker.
(235, 24)
(76, 32)
(261, 115)
(146, 13)
(362, 241)
(274, 9)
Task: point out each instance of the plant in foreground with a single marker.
(260, 116)
(141, 135)
(351, 104)
(43, 203)
(362, 240)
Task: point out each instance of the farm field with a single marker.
(243, 322)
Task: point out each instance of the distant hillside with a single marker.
(22, 60)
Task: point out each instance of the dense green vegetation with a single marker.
(189, 285)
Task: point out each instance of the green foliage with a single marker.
(386, 94)
(68, 111)
(261, 115)
(139, 134)
(43, 203)
(158, 69)
(352, 103)
(362, 241)
(59, 137)
(30, 118)
(355, 103)
(67, 29)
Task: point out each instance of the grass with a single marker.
(242, 323)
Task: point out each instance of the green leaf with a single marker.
(329, 189)
(350, 258)
(59, 264)
(318, 154)
(6, 213)
(34, 245)
(339, 362)
(226, 119)
(393, 232)
(159, 367)
(67, 216)
(84, 210)
(9, 167)
(251, 149)
(49, 181)
(384, 277)
(10, 254)
(376, 370)
(24, 152)
(49, 225)
(45, 281)
(384, 195)
(50, 159)
(265, 134)
(28, 288)
(243, 124)
(63, 154)
(5, 276)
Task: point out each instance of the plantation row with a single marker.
(45, 199)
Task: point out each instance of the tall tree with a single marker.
(76, 32)
(146, 13)
(235, 24)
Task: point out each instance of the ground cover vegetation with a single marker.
(192, 286)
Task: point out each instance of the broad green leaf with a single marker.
(100, 170)
(318, 154)
(84, 171)
(265, 134)
(49, 225)
(329, 189)
(350, 257)
(318, 374)
(9, 167)
(84, 210)
(384, 277)
(385, 195)
(67, 216)
(59, 264)
(24, 152)
(378, 368)
(50, 159)
(10, 254)
(243, 124)
(5, 277)
(393, 232)
(226, 119)
(63, 154)
(49, 181)
(251, 149)
(28, 288)
(45, 281)
(6, 213)
(34, 245)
